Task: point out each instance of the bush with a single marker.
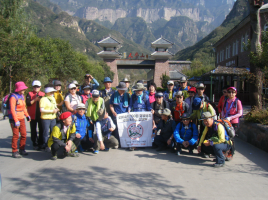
(257, 116)
(159, 89)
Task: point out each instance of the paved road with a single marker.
(120, 174)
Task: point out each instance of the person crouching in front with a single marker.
(63, 137)
(104, 140)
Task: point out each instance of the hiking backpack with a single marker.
(64, 108)
(228, 127)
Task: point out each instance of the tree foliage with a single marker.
(164, 79)
(26, 57)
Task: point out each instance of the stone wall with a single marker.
(255, 134)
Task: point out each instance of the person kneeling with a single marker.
(63, 137)
(218, 139)
(186, 135)
(104, 140)
(164, 132)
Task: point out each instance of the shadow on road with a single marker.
(96, 183)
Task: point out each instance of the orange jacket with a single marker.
(17, 108)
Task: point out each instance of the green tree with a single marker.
(164, 79)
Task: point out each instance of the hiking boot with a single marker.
(115, 147)
(217, 165)
(205, 155)
(23, 152)
(161, 148)
(107, 149)
(191, 152)
(72, 154)
(47, 149)
(36, 148)
(131, 148)
(54, 157)
(96, 151)
(16, 155)
(178, 153)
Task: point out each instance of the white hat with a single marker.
(50, 89)
(72, 86)
(81, 105)
(36, 83)
(95, 93)
(170, 83)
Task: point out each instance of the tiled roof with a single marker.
(162, 41)
(176, 75)
(223, 70)
(109, 40)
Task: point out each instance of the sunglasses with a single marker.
(80, 109)
(224, 91)
(179, 97)
(185, 120)
(158, 97)
(191, 92)
(230, 92)
(73, 89)
(95, 97)
(36, 86)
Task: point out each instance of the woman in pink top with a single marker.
(232, 108)
(152, 90)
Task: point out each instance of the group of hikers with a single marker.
(85, 119)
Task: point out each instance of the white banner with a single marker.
(135, 129)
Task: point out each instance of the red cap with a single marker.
(65, 115)
(231, 88)
(192, 89)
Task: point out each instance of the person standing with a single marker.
(119, 104)
(223, 98)
(32, 102)
(169, 94)
(232, 109)
(158, 106)
(48, 109)
(16, 113)
(58, 95)
(88, 79)
(200, 92)
(72, 99)
(179, 107)
(86, 93)
(183, 87)
(151, 93)
(126, 81)
(189, 100)
(107, 93)
(93, 105)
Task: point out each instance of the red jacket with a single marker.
(221, 103)
(33, 109)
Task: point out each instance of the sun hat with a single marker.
(65, 115)
(101, 113)
(121, 86)
(57, 83)
(183, 79)
(81, 105)
(159, 94)
(206, 115)
(170, 83)
(87, 87)
(196, 103)
(185, 116)
(50, 89)
(72, 85)
(200, 86)
(125, 80)
(192, 89)
(166, 112)
(76, 83)
(138, 87)
(179, 93)
(95, 93)
(20, 86)
(107, 80)
(231, 88)
(36, 83)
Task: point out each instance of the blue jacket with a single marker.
(166, 96)
(140, 107)
(82, 124)
(190, 135)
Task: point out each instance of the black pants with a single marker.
(55, 147)
(36, 140)
(85, 143)
(190, 147)
(202, 128)
(161, 141)
(115, 132)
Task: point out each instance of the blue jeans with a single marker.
(218, 148)
(48, 125)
